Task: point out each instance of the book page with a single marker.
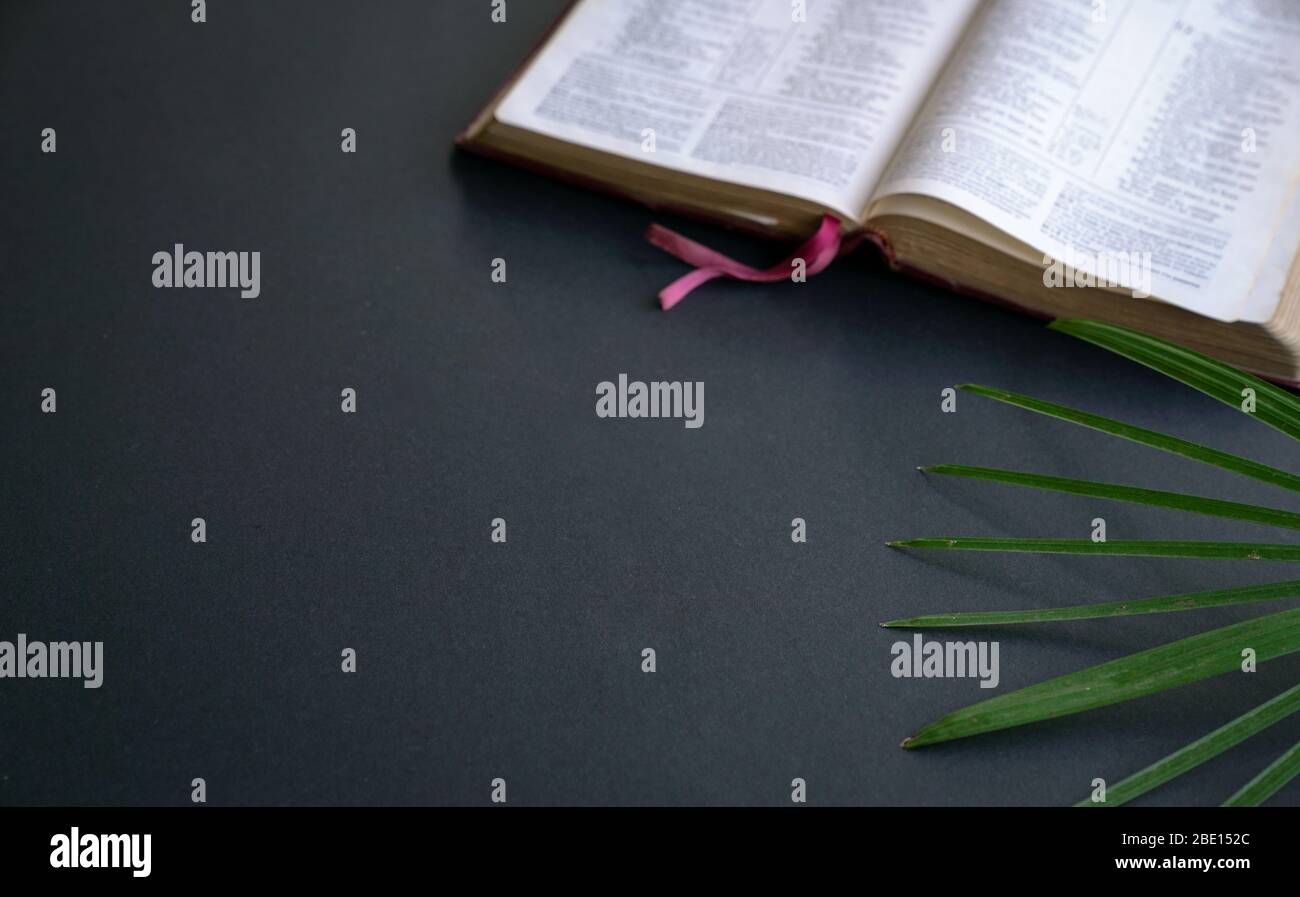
(1271, 280)
(1158, 131)
(805, 99)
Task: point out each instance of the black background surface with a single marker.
(476, 401)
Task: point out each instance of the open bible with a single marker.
(1132, 161)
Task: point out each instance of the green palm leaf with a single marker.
(1176, 500)
(1244, 551)
(1266, 784)
(1177, 663)
(1201, 750)
(1168, 666)
(1161, 605)
(1274, 406)
(1150, 438)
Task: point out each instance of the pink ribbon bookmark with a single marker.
(817, 252)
